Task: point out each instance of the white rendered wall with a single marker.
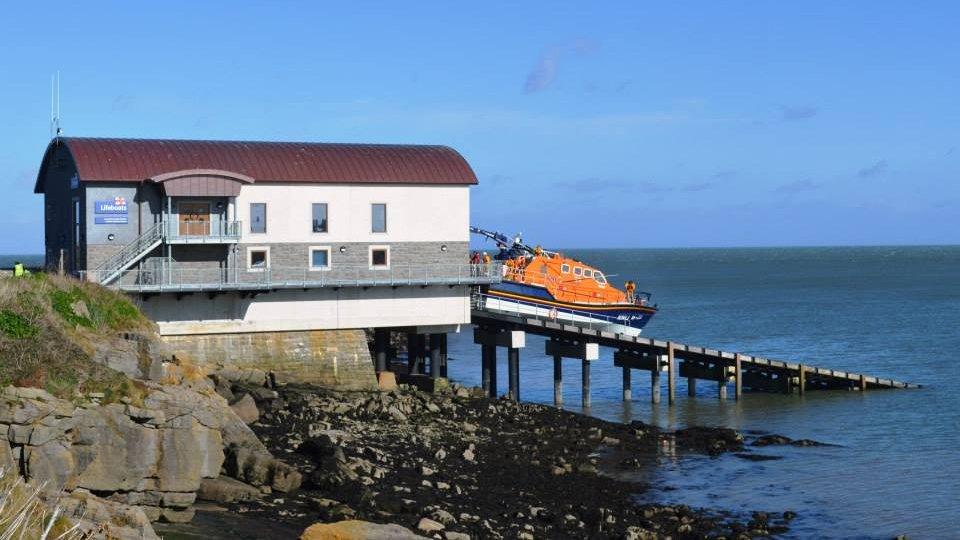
(316, 309)
(414, 213)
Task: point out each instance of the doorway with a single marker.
(194, 218)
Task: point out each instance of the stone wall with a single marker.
(338, 359)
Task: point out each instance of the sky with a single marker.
(588, 124)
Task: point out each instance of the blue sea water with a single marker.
(892, 312)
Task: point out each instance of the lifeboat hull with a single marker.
(536, 301)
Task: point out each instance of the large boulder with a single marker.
(226, 490)
(358, 530)
(100, 518)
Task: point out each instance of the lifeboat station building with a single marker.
(269, 254)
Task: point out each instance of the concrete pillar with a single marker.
(435, 356)
(485, 361)
(627, 384)
(737, 377)
(558, 381)
(414, 353)
(691, 386)
(493, 372)
(381, 342)
(722, 383)
(585, 386)
(802, 380)
(655, 380)
(443, 355)
(863, 383)
(513, 367)
(671, 375)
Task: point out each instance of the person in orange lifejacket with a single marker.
(630, 287)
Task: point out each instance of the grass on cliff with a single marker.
(49, 326)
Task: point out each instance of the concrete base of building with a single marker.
(337, 359)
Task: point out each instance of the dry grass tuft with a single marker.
(24, 514)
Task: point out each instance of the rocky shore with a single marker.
(453, 464)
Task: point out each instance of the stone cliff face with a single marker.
(153, 456)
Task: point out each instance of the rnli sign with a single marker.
(111, 212)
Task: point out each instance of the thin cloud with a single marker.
(799, 186)
(876, 169)
(797, 112)
(544, 72)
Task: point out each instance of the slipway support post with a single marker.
(655, 381)
(513, 367)
(415, 350)
(381, 341)
(802, 382)
(627, 390)
(737, 377)
(585, 352)
(558, 381)
(435, 355)
(691, 386)
(492, 337)
(671, 375)
(585, 387)
(654, 363)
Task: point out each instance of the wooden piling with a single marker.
(513, 368)
(585, 383)
(802, 379)
(558, 381)
(627, 384)
(722, 381)
(863, 383)
(691, 386)
(671, 375)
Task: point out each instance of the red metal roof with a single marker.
(125, 160)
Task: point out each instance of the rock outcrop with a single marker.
(153, 456)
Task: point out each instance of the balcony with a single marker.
(202, 232)
(177, 278)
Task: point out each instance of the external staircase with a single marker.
(113, 267)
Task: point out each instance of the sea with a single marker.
(892, 312)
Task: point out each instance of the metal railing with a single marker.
(203, 231)
(186, 277)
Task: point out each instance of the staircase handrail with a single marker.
(131, 250)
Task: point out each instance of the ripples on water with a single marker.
(886, 311)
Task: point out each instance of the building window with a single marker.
(258, 217)
(379, 257)
(320, 217)
(258, 258)
(379, 217)
(319, 258)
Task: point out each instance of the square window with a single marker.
(565, 268)
(320, 217)
(258, 259)
(379, 257)
(258, 217)
(379, 217)
(320, 258)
